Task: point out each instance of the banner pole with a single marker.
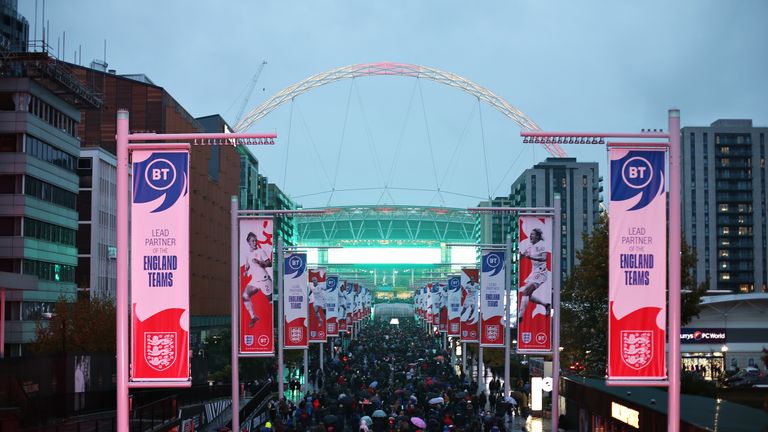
(464, 357)
(280, 321)
(122, 310)
(322, 348)
(480, 373)
(556, 273)
(234, 317)
(507, 314)
(306, 371)
(673, 409)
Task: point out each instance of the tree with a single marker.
(584, 300)
(86, 326)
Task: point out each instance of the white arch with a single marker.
(395, 69)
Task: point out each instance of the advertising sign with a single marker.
(316, 292)
(454, 306)
(703, 336)
(295, 302)
(637, 265)
(443, 311)
(332, 305)
(343, 312)
(437, 301)
(256, 312)
(534, 327)
(429, 303)
(492, 299)
(160, 266)
(470, 305)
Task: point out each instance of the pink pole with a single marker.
(556, 275)
(235, 263)
(673, 409)
(122, 272)
(2, 323)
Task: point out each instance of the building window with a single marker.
(42, 150)
(726, 230)
(723, 208)
(49, 271)
(47, 192)
(49, 232)
(52, 116)
(725, 276)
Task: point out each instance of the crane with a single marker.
(249, 91)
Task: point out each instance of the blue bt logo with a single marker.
(160, 174)
(295, 262)
(637, 172)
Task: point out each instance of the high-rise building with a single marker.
(285, 226)
(96, 273)
(39, 148)
(578, 184)
(724, 204)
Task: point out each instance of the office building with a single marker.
(724, 204)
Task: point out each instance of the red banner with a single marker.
(637, 265)
(470, 305)
(317, 319)
(160, 267)
(256, 312)
(534, 327)
(344, 306)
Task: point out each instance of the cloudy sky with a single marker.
(568, 65)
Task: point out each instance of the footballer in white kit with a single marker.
(535, 249)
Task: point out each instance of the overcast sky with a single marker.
(568, 65)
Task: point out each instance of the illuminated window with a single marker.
(723, 253)
(744, 288)
(723, 207)
(725, 276)
(726, 230)
(725, 150)
(744, 230)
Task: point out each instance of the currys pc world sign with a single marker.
(703, 336)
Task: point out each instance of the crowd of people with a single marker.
(395, 378)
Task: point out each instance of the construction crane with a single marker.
(249, 91)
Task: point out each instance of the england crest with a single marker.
(636, 348)
(296, 334)
(492, 332)
(248, 340)
(160, 349)
(527, 337)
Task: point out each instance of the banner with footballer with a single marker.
(316, 294)
(492, 298)
(343, 309)
(332, 306)
(534, 295)
(160, 266)
(470, 305)
(454, 306)
(295, 331)
(256, 285)
(637, 265)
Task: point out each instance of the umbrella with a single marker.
(379, 414)
(437, 400)
(367, 420)
(374, 384)
(330, 419)
(418, 422)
